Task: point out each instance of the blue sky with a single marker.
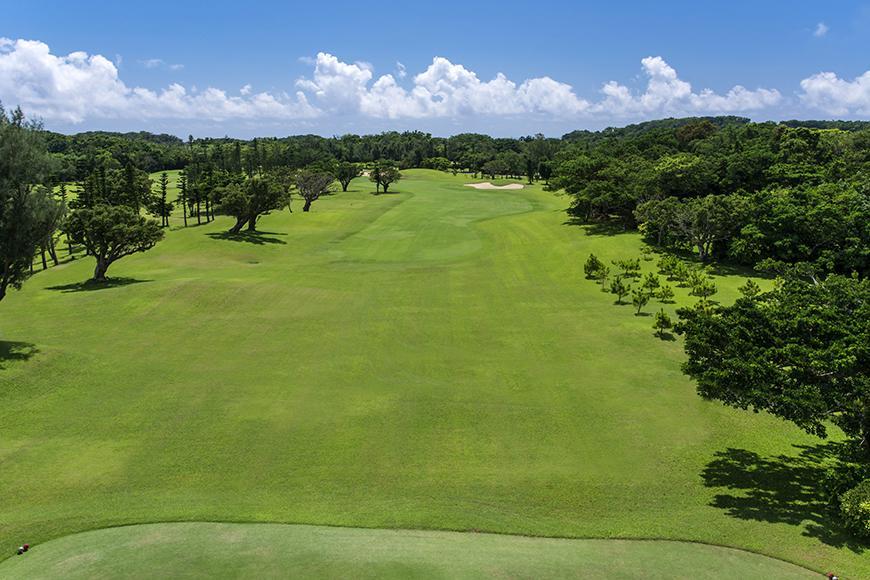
(276, 68)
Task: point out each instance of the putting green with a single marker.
(201, 550)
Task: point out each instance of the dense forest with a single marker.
(760, 194)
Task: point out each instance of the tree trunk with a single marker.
(238, 225)
(100, 270)
(307, 205)
(52, 252)
(42, 255)
(252, 224)
(865, 427)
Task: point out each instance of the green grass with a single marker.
(430, 358)
(206, 550)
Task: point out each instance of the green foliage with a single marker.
(800, 352)
(650, 282)
(162, 207)
(750, 290)
(662, 323)
(311, 185)
(669, 265)
(706, 224)
(383, 174)
(703, 288)
(593, 267)
(620, 288)
(28, 212)
(855, 509)
(346, 172)
(665, 294)
(639, 298)
(111, 233)
(250, 199)
(602, 276)
(437, 163)
(729, 190)
(629, 268)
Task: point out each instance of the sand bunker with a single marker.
(488, 185)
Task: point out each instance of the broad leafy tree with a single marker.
(313, 184)
(800, 352)
(384, 174)
(250, 199)
(111, 233)
(346, 172)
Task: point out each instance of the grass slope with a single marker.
(430, 358)
(206, 550)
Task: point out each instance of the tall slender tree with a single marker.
(164, 185)
(182, 194)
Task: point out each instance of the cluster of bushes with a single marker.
(622, 284)
(855, 509)
(701, 285)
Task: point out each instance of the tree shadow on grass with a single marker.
(91, 285)
(611, 227)
(665, 336)
(15, 351)
(256, 238)
(727, 269)
(780, 489)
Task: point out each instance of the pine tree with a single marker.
(182, 194)
(164, 214)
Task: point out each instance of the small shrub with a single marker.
(592, 267)
(668, 265)
(651, 282)
(646, 254)
(665, 294)
(662, 323)
(640, 298)
(681, 274)
(703, 288)
(620, 288)
(855, 509)
(630, 268)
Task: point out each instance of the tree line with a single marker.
(760, 194)
(789, 199)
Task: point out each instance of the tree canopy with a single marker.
(111, 233)
(800, 352)
(28, 212)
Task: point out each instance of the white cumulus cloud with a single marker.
(80, 86)
(666, 93)
(821, 30)
(444, 89)
(828, 92)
